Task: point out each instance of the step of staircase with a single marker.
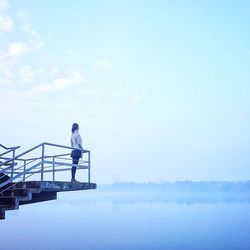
(2, 214)
(9, 201)
(8, 207)
(39, 197)
(22, 192)
(4, 208)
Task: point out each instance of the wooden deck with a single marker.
(37, 191)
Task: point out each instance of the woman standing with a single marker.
(76, 154)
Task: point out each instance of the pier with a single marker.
(27, 178)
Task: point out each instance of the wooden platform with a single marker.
(36, 191)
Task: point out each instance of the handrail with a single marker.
(16, 147)
(10, 149)
(39, 145)
(36, 158)
(24, 173)
(61, 146)
(16, 157)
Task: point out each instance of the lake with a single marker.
(100, 219)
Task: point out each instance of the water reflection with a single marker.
(134, 196)
(101, 219)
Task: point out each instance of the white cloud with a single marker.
(26, 73)
(55, 71)
(135, 98)
(42, 88)
(57, 84)
(72, 78)
(6, 72)
(13, 53)
(76, 75)
(62, 83)
(33, 37)
(3, 5)
(6, 24)
(18, 49)
(10, 60)
(14, 67)
(101, 65)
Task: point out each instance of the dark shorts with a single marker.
(76, 154)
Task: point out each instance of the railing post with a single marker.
(24, 168)
(42, 165)
(53, 168)
(12, 169)
(89, 166)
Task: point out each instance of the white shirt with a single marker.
(76, 140)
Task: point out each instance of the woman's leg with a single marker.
(73, 170)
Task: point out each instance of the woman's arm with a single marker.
(79, 140)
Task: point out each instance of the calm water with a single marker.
(101, 220)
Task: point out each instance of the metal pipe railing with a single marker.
(9, 149)
(43, 160)
(18, 156)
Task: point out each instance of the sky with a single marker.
(160, 89)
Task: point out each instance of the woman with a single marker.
(76, 154)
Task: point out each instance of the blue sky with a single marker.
(160, 89)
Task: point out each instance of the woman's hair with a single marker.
(75, 126)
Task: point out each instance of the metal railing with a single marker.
(9, 150)
(18, 168)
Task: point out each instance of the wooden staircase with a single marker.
(16, 174)
(23, 193)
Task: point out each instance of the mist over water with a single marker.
(111, 218)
